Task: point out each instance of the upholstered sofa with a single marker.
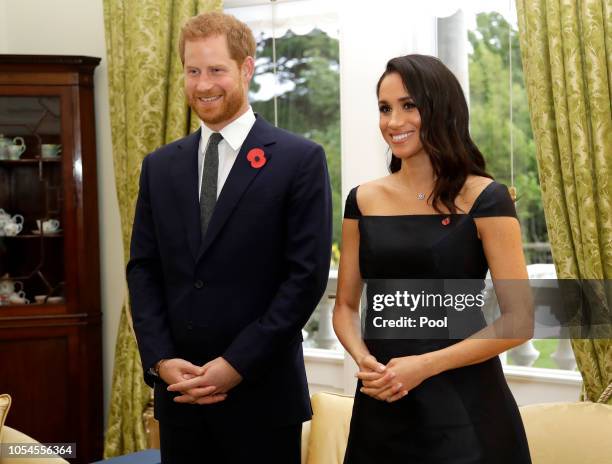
(558, 433)
(10, 435)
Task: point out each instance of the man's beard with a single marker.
(231, 105)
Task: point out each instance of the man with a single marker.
(229, 257)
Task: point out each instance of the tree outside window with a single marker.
(307, 98)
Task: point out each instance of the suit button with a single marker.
(198, 284)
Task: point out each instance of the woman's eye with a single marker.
(409, 106)
(384, 109)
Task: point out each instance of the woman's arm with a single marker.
(346, 311)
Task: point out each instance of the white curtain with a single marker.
(301, 17)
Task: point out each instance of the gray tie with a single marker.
(208, 193)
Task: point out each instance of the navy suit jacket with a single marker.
(248, 288)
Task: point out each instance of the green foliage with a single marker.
(546, 347)
(489, 66)
(312, 107)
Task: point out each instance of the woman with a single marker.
(438, 215)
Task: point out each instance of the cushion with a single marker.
(305, 438)
(329, 428)
(560, 433)
(568, 433)
(9, 435)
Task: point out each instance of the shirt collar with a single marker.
(235, 133)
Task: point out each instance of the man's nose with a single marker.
(203, 84)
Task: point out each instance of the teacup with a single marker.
(18, 298)
(48, 226)
(50, 150)
(15, 151)
(56, 300)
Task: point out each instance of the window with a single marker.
(501, 128)
(297, 87)
(297, 84)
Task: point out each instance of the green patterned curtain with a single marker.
(148, 109)
(566, 47)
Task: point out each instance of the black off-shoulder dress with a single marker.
(462, 416)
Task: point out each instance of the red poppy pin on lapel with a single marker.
(256, 157)
(446, 221)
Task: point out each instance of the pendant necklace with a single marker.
(420, 196)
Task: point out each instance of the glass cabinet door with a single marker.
(31, 201)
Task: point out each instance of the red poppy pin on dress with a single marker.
(256, 157)
(445, 221)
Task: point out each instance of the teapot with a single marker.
(4, 215)
(8, 287)
(11, 226)
(4, 143)
(4, 218)
(16, 148)
(12, 229)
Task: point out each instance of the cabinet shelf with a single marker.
(12, 307)
(27, 314)
(21, 236)
(10, 162)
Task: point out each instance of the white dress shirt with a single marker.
(234, 135)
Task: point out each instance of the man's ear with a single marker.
(248, 68)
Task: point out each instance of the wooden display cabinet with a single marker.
(50, 318)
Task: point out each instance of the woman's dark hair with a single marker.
(444, 132)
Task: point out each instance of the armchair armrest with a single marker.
(10, 435)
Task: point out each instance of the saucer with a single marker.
(55, 232)
(40, 299)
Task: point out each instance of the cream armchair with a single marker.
(10, 435)
(558, 433)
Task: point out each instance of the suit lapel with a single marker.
(240, 177)
(185, 181)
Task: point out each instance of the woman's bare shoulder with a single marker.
(472, 188)
(370, 193)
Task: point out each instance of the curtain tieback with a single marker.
(605, 396)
